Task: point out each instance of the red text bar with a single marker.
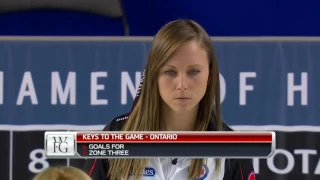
(176, 137)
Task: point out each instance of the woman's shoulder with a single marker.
(225, 127)
(116, 123)
(237, 168)
(214, 127)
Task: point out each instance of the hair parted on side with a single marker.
(145, 115)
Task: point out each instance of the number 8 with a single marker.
(35, 160)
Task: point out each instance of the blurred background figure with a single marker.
(62, 173)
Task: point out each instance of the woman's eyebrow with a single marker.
(193, 65)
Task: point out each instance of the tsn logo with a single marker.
(60, 144)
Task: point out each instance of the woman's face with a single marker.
(183, 79)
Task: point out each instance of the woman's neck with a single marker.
(175, 121)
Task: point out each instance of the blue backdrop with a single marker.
(91, 82)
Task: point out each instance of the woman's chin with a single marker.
(182, 109)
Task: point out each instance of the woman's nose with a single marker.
(182, 84)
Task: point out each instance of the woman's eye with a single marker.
(170, 72)
(194, 72)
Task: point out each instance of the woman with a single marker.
(62, 173)
(179, 91)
